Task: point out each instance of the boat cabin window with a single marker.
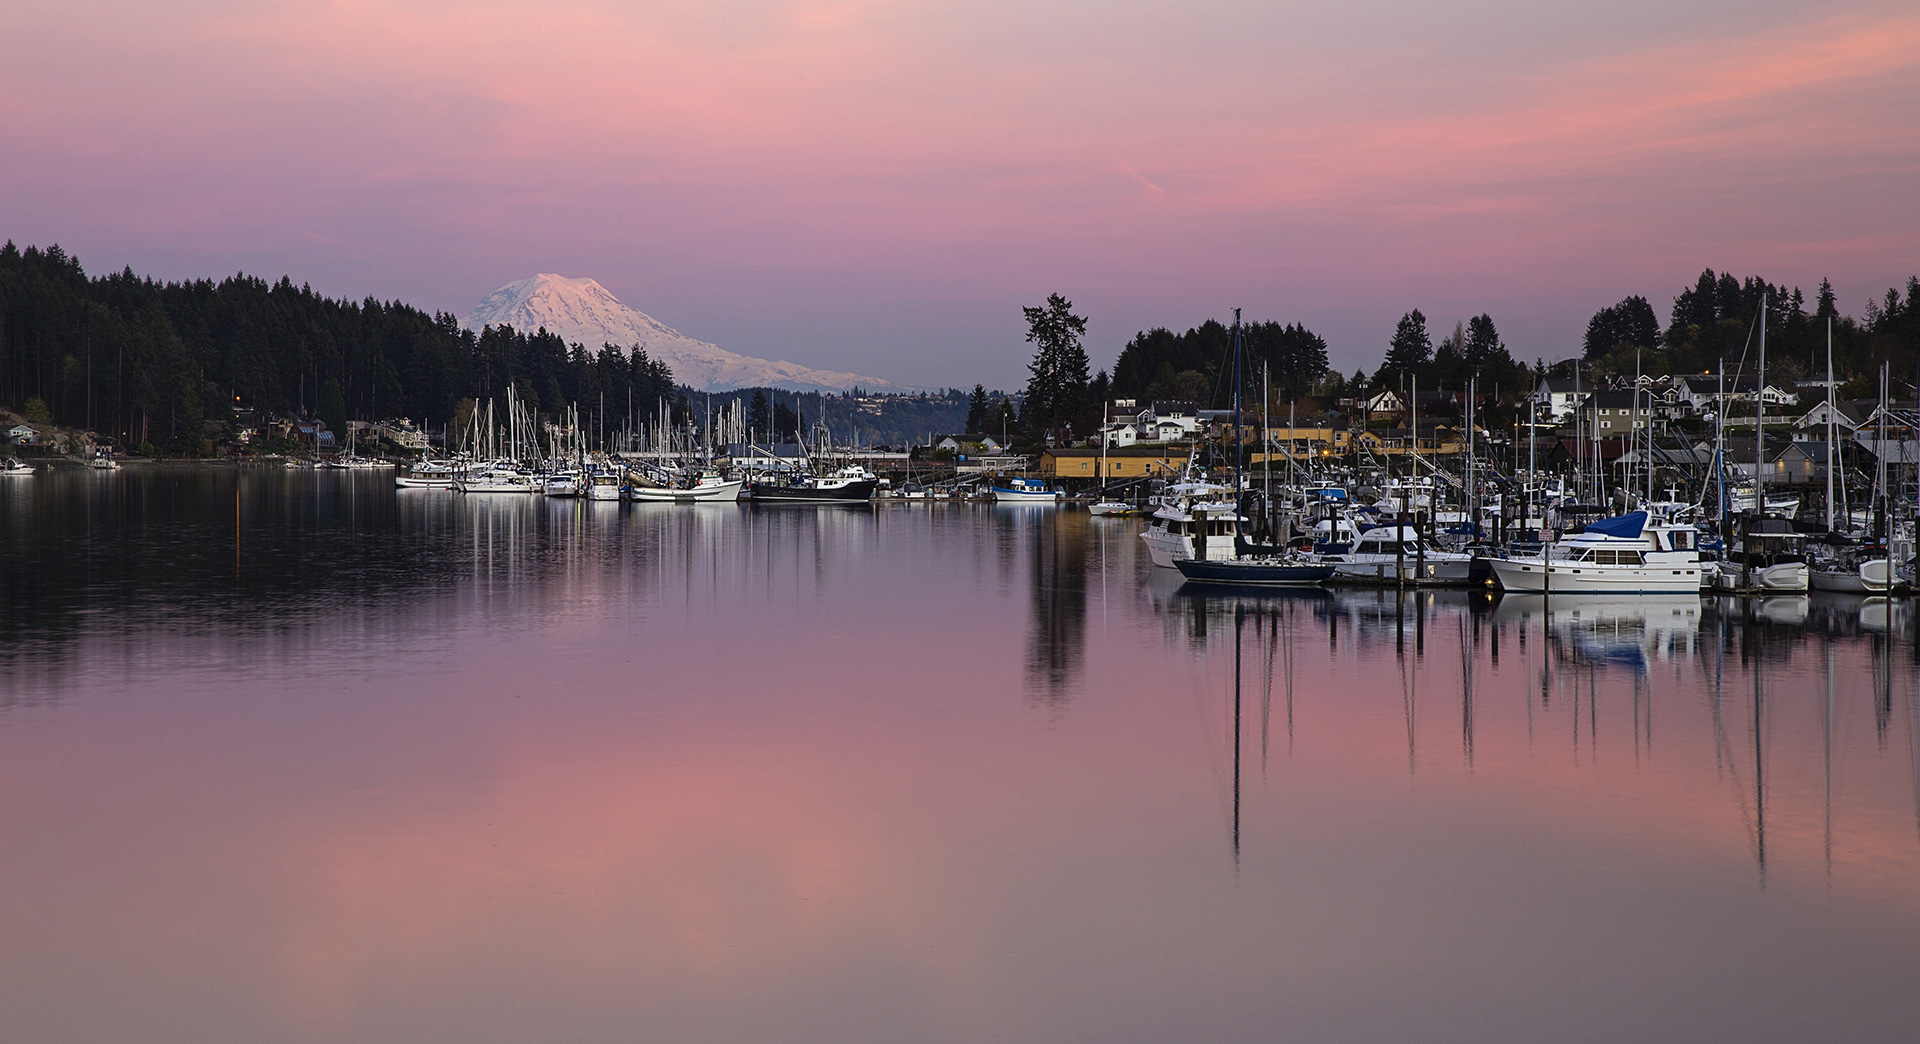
(1608, 556)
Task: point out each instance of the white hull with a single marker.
(1531, 576)
(718, 491)
(493, 484)
(1785, 578)
(1025, 496)
(1111, 509)
(1164, 547)
(1374, 571)
(1874, 577)
(427, 482)
(599, 492)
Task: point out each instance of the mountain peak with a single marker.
(581, 310)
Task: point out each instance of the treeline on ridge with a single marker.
(160, 364)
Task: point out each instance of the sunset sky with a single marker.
(878, 186)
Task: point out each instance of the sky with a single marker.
(880, 186)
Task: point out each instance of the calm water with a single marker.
(295, 757)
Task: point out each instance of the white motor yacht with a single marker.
(427, 474)
(497, 478)
(1396, 554)
(1025, 491)
(1625, 555)
(566, 482)
(603, 483)
(1194, 520)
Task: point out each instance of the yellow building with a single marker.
(1123, 462)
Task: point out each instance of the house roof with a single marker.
(1617, 399)
(1171, 407)
(1709, 384)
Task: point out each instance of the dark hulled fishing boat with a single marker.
(848, 485)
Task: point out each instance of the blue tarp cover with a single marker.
(1628, 525)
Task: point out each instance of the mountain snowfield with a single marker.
(581, 310)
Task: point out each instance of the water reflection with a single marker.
(1057, 586)
(1713, 685)
(352, 764)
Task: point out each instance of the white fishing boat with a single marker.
(1630, 554)
(103, 462)
(1396, 554)
(707, 486)
(1114, 509)
(1025, 491)
(15, 466)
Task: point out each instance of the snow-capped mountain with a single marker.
(582, 310)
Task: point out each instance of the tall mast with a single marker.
(1239, 454)
(1760, 419)
(1830, 431)
(1720, 507)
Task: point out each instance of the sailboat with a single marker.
(1265, 570)
(1107, 507)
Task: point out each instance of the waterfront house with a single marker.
(24, 435)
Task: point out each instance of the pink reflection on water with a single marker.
(827, 775)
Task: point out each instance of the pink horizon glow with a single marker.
(877, 187)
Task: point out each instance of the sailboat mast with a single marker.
(1239, 450)
(1830, 424)
(1760, 419)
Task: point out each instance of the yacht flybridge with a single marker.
(1630, 554)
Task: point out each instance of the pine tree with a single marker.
(977, 409)
(1411, 349)
(760, 415)
(1057, 385)
(1483, 341)
(1825, 307)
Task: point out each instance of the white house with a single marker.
(1167, 422)
(1847, 417)
(23, 435)
(986, 444)
(1702, 394)
(1121, 433)
(1385, 402)
(1554, 398)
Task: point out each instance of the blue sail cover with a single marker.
(1628, 525)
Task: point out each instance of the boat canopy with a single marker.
(1627, 526)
